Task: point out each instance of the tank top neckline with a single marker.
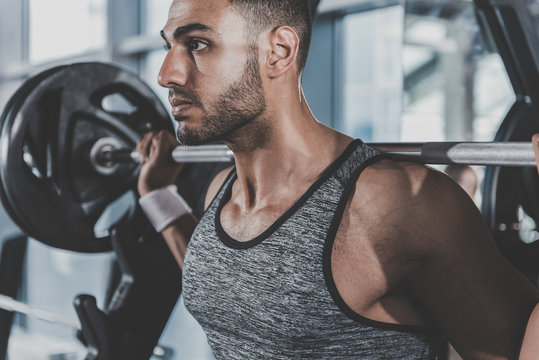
(229, 241)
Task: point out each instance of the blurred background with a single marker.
(379, 70)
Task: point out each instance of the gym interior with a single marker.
(384, 71)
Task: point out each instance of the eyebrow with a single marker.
(182, 30)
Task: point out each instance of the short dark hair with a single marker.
(265, 14)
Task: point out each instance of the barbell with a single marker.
(106, 155)
(66, 153)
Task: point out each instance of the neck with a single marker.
(289, 151)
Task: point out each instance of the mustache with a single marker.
(188, 95)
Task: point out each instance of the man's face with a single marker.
(211, 71)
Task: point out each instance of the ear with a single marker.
(284, 50)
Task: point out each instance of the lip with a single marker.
(179, 106)
(180, 109)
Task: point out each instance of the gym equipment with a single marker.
(47, 130)
(12, 251)
(9, 304)
(509, 194)
(106, 155)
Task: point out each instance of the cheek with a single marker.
(227, 62)
(215, 78)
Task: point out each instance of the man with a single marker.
(313, 245)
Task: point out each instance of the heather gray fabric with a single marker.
(273, 297)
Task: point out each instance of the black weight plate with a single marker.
(509, 192)
(47, 180)
(14, 103)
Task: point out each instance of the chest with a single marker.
(359, 265)
(244, 225)
(276, 286)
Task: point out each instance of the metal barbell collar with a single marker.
(513, 154)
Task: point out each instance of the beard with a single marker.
(240, 105)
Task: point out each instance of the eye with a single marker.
(197, 45)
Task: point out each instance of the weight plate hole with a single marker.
(116, 103)
(113, 213)
(527, 227)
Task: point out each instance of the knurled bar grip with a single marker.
(195, 154)
(515, 154)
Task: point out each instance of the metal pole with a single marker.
(513, 154)
(194, 154)
(10, 304)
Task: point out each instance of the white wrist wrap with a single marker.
(163, 206)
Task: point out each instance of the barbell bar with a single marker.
(106, 153)
(9, 304)
(511, 154)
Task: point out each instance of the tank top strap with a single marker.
(222, 190)
(362, 156)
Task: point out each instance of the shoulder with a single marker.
(406, 178)
(215, 185)
(448, 262)
(392, 184)
(413, 202)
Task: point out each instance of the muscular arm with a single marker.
(452, 269)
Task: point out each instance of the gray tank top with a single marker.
(274, 297)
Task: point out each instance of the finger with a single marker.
(162, 148)
(143, 146)
(535, 142)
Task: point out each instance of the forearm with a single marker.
(530, 344)
(177, 236)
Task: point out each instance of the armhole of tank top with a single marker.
(221, 189)
(326, 262)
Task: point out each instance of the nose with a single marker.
(173, 71)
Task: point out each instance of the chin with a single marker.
(191, 138)
(187, 126)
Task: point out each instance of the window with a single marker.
(454, 88)
(353, 77)
(493, 96)
(372, 74)
(150, 71)
(60, 28)
(155, 15)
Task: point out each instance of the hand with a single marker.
(158, 168)
(535, 143)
